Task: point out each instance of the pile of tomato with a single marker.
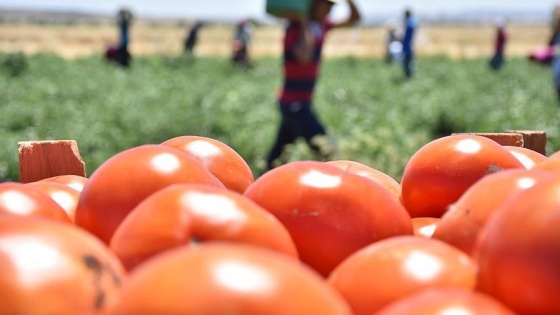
(183, 227)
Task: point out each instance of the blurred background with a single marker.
(159, 24)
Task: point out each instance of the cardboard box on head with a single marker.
(288, 9)
(291, 9)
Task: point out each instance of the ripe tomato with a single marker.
(330, 213)
(391, 269)
(551, 164)
(368, 172)
(23, 199)
(461, 225)
(64, 195)
(446, 301)
(528, 157)
(47, 267)
(124, 180)
(74, 181)
(518, 251)
(181, 214)
(442, 170)
(226, 279)
(222, 161)
(424, 226)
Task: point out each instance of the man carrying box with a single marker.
(303, 42)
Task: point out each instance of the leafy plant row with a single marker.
(376, 117)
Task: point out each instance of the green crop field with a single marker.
(376, 117)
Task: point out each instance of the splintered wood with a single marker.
(43, 159)
(533, 139)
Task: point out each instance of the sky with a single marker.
(234, 9)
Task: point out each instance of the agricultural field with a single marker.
(82, 40)
(376, 117)
(461, 225)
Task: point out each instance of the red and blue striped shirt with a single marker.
(299, 77)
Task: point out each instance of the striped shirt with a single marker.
(300, 78)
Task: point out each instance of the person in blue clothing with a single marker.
(124, 19)
(555, 43)
(408, 43)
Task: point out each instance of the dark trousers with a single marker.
(123, 56)
(497, 61)
(298, 120)
(408, 64)
(240, 55)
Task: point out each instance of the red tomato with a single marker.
(74, 181)
(391, 269)
(528, 157)
(66, 196)
(461, 225)
(368, 172)
(551, 164)
(329, 213)
(47, 267)
(23, 199)
(184, 213)
(424, 226)
(222, 161)
(124, 180)
(518, 251)
(442, 170)
(452, 301)
(226, 279)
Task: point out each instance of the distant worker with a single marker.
(500, 43)
(124, 20)
(393, 45)
(192, 37)
(408, 43)
(303, 42)
(242, 37)
(544, 55)
(555, 42)
(554, 22)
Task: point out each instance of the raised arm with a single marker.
(303, 50)
(353, 18)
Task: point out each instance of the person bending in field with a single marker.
(303, 42)
(192, 37)
(120, 53)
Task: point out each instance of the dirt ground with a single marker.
(73, 41)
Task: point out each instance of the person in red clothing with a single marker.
(303, 43)
(501, 38)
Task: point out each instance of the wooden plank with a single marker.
(533, 139)
(503, 138)
(43, 159)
